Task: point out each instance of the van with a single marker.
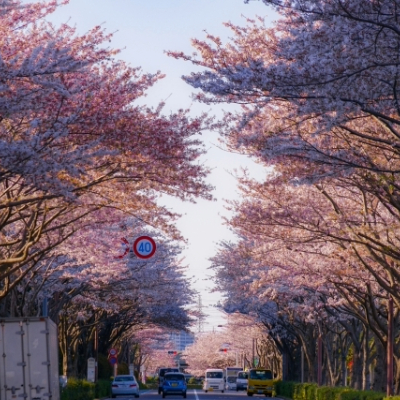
(160, 378)
(241, 381)
(214, 380)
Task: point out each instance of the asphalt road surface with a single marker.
(195, 394)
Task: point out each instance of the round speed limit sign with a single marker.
(144, 247)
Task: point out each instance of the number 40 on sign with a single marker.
(144, 247)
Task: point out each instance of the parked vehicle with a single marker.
(241, 381)
(161, 372)
(260, 381)
(214, 380)
(124, 385)
(174, 383)
(29, 362)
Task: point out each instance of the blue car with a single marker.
(174, 383)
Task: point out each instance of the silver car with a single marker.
(124, 385)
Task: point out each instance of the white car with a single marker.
(123, 385)
(241, 381)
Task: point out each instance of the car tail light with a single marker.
(114, 385)
(134, 385)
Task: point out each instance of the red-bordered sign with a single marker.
(112, 360)
(125, 248)
(144, 247)
(112, 352)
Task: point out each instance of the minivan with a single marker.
(174, 383)
(161, 372)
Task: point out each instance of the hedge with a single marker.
(311, 391)
(79, 389)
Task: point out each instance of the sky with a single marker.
(144, 30)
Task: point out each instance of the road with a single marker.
(196, 394)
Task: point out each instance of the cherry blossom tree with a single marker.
(73, 142)
(305, 268)
(319, 105)
(79, 158)
(122, 296)
(236, 344)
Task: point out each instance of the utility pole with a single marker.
(96, 353)
(252, 361)
(390, 340)
(200, 325)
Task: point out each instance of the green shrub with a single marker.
(311, 391)
(142, 385)
(194, 386)
(102, 389)
(151, 379)
(78, 389)
(285, 389)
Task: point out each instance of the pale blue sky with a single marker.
(144, 29)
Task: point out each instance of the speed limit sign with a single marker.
(144, 247)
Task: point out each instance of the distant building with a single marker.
(181, 340)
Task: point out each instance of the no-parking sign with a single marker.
(112, 360)
(144, 247)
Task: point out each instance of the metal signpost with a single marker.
(112, 359)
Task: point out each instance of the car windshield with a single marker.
(242, 375)
(231, 379)
(261, 375)
(123, 378)
(214, 375)
(174, 377)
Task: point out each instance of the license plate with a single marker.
(261, 391)
(174, 384)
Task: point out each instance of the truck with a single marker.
(29, 359)
(260, 381)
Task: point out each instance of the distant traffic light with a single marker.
(224, 350)
(172, 352)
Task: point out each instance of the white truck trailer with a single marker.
(29, 359)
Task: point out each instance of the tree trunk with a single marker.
(379, 382)
(366, 382)
(357, 370)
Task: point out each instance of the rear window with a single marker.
(163, 371)
(123, 378)
(174, 377)
(262, 375)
